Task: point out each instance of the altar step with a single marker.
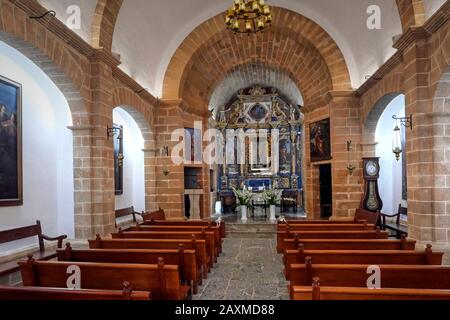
(251, 230)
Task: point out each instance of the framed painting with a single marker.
(118, 159)
(320, 142)
(285, 155)
(11, 193)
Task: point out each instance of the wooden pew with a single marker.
(120, 213)
(215, 230)
(371, 234)
(349, 244)
(208, 236)
(373, 257)
(361, 216)
(325, 227)
(356, 275)
(317, 292)
(41, 294)
(221, 225)
(24, 233)
(155, 215)
(184, 259)
(162, 280)
(148, 244)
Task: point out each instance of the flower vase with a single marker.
(244, 214)
(273, 209)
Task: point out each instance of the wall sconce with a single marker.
(166, 172)
(111, 132)
(350, 167)
(397, 143)
(407, 122)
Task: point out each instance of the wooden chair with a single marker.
(127, 212)
(28, 232)
(42, 294)
(398, 228)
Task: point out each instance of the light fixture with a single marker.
(350, 167)
(407, 122)
(248, 16)
(397, 142)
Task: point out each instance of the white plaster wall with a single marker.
(390, 182)
(47, 153)
(133, 171)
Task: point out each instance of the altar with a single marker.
(262, 143)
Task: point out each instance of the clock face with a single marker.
(371, 168)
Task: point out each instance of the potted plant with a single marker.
(272, 197)
(243, 198)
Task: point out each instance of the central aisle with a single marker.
(248, 269)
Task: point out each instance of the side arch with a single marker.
(104, 23)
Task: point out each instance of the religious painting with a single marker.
(10, 143)
(193, 145)
(118, 159)
(259, 153)
(320, 141)
(285, 155)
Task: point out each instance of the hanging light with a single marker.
(397, 142)
(248, 16)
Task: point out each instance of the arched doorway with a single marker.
(393, 180)
(129, 162)
(47, 152)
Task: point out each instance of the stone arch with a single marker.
(142, 113)
(80, 126)
(412, 13)
(104, 23)
(289, 24)
(288, 53)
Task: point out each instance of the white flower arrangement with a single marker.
(272, 196)
(243, 197)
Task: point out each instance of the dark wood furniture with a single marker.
(220, 224)
(289, 199)
(43, 294)
(325, 227)
(399, 229)
(28, 232)
(184, 259)
(127, 212)
(228, 200)
(162, 280)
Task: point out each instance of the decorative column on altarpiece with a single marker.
(241, 154)
(222, 125)
(294, 140)
(275, 154)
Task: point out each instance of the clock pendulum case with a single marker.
(371, 200)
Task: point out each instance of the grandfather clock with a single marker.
(371, 200)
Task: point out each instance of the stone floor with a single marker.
(248, 269)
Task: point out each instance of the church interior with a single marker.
(224, 150)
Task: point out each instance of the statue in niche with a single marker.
(293, 116)
(277, 113)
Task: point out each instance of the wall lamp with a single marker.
(407, 122)
(111, 132)
(350, 167)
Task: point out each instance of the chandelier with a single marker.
(248, 16)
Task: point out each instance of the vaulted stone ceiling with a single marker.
(148, 33)
(254, 74)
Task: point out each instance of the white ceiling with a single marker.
(149, 32)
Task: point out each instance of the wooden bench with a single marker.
(203, 235)
(41, 294)
(155, 215)
(214, 229)
(397, 227)
(28, 232)
(326, 227)
(369, 234)
(355, 275)
(162, 280)
(317, 292)
(184, 259)
(349, 244)
(374, 257)
(127, 212)
(361, 216)
(149, 244)
(220, 224)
